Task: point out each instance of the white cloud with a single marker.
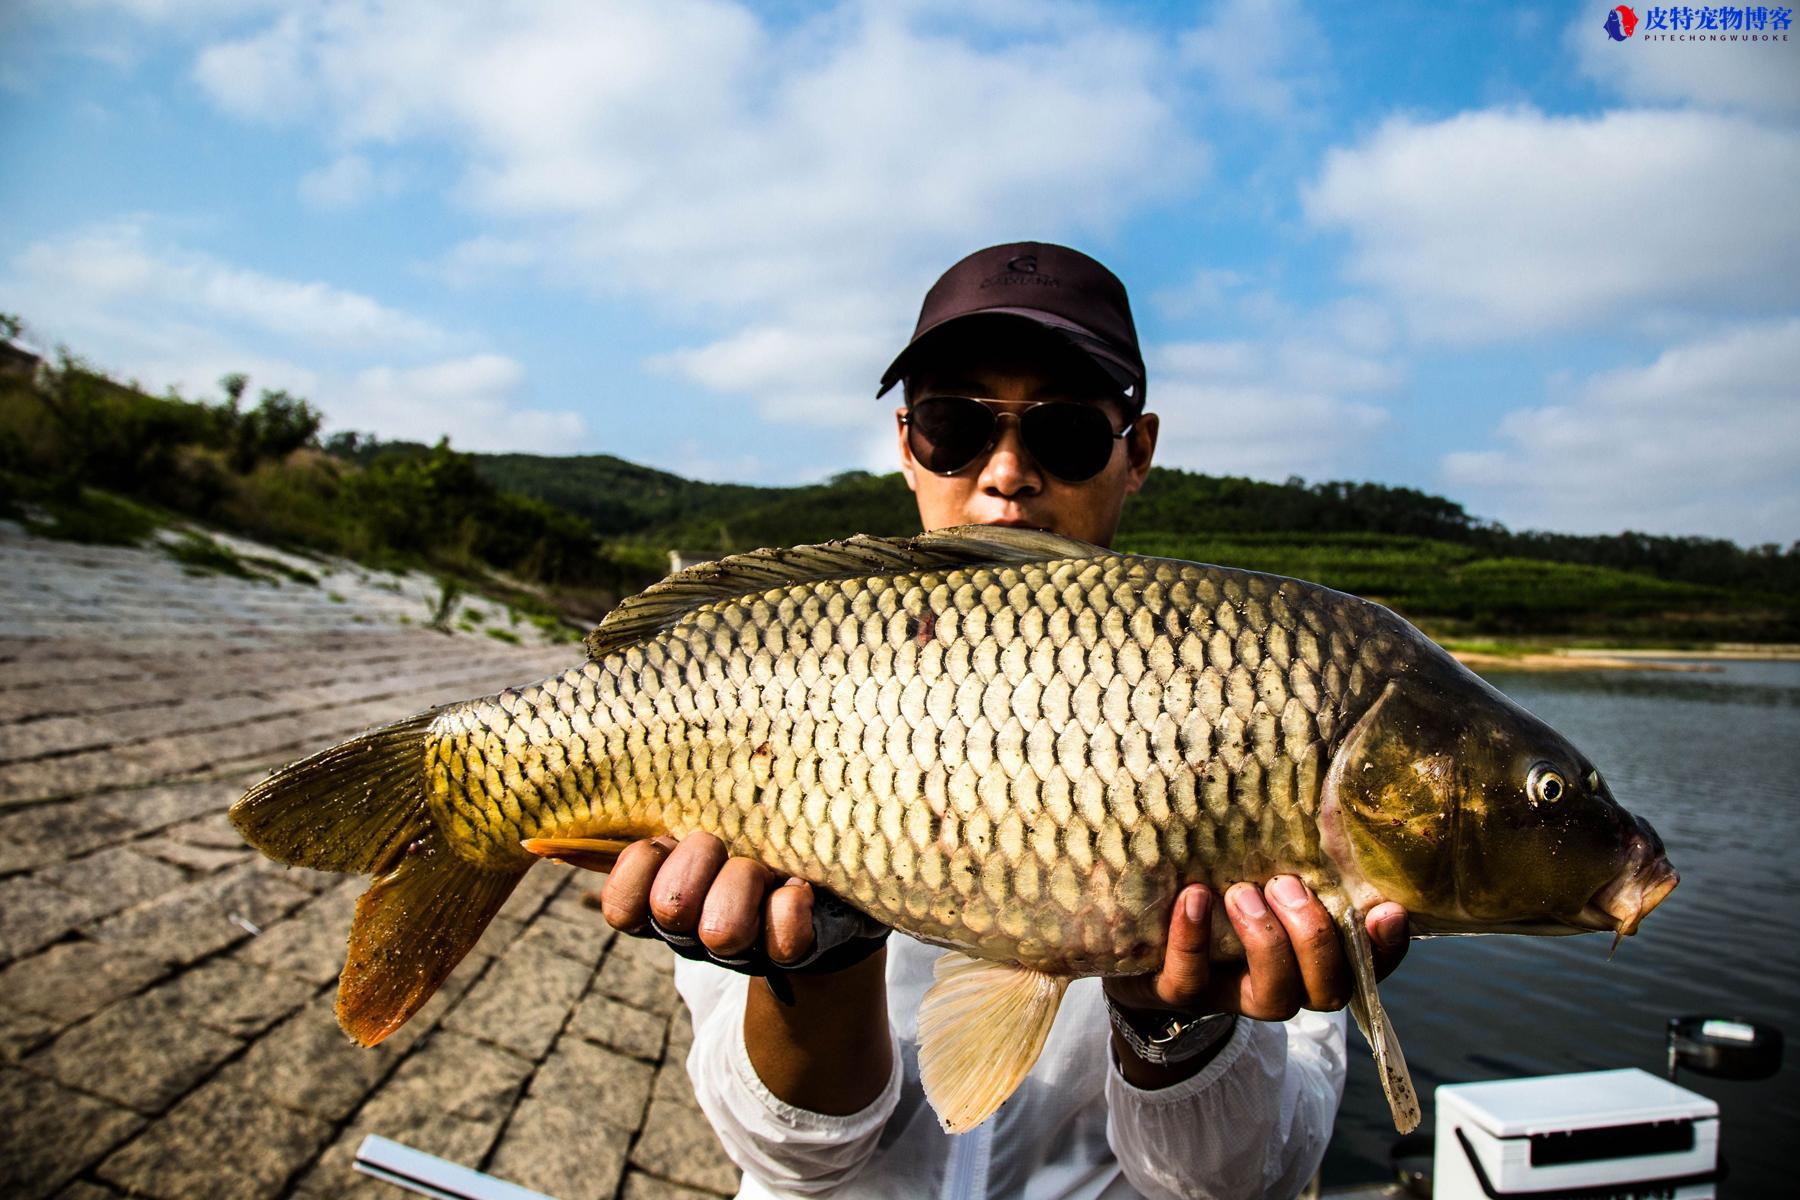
(1259, 56)
(1265, 410)
(1702, 440)
(347, 181)
(118, 267)
(1751, 77)
(1499, 223)
(689, 156)
(472, 400)
(170, 317)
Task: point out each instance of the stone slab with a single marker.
(618, 1026)
(219, 1141)
(640, 972)
(50, 833)
(307, 1064)
(580, 942)
(311, 943)
(204, 916)
(639, 1186)
(450, 1098)
(522, 1001)
(51, 1134)
(22, 1033)
(234, 998)
(556, 1148)
(72, 980)
(610, 1089)
(33, 914)
(114, 878)
(143, 1053)
(678, 1145)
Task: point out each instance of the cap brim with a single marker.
(1128, 375)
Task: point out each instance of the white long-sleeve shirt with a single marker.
(1253, 1123)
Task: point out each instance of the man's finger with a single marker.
(1271, 990)
(1388, 936)
(681, 885)
(731, 918)
(787, 928)
(1317, 949)
(1187, 967)
(625, 899)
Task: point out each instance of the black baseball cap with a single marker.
(1061, 289)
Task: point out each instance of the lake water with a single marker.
(1713, 761)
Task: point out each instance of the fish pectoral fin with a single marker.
(412, 927)
(981, 1028)
(1372, 1019)
(590, 854)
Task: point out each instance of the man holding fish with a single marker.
(1024, 389)
(1041, 761)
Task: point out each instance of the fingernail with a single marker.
(1390, 930)
(1193, 905)
(1248, 901)
(1288, 891)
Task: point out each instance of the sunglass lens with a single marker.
(947, 432)
(1071, 441)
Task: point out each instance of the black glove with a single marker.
(842, 937)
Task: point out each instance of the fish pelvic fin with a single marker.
(590, 854)
(355, 807)
(413, 925)
(982, 1026)
(1372, 1019)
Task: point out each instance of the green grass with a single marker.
(201, 555)
(502, 635)
(89, 516)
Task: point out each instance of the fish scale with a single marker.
(1027, 760)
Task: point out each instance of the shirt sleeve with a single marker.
(1253, 1122)
(791, 1151)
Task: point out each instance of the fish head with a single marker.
(1454, 801)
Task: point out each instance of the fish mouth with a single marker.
(1628, 897)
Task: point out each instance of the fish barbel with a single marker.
(1008, 743)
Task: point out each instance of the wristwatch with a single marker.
(1167, 1039)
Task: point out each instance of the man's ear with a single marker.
(907, 466)
(1141, 446)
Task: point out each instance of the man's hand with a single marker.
(826, 1047)
(691, 887)
(1293, 957)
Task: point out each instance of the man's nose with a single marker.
(1010, 470)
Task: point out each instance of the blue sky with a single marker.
(1481, 250)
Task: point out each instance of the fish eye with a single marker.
(1545, 784)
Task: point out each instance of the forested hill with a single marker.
(623, 499)
(83, 456)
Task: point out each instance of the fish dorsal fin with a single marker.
(662, 604)
(981, 1028)
(1372, 1019)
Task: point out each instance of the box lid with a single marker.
(1588, 1100)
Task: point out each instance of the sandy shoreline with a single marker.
(1581, 658)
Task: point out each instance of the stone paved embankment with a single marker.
(166, 1023)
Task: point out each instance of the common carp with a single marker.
(1008, 743)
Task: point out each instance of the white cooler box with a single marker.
(1592, 1136)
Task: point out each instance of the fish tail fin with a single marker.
(1372, 1019)
(412, 927)
(355, 807)
(361, 807)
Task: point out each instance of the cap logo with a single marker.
(1021, 268)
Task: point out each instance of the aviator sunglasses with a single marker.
(1071, 441)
